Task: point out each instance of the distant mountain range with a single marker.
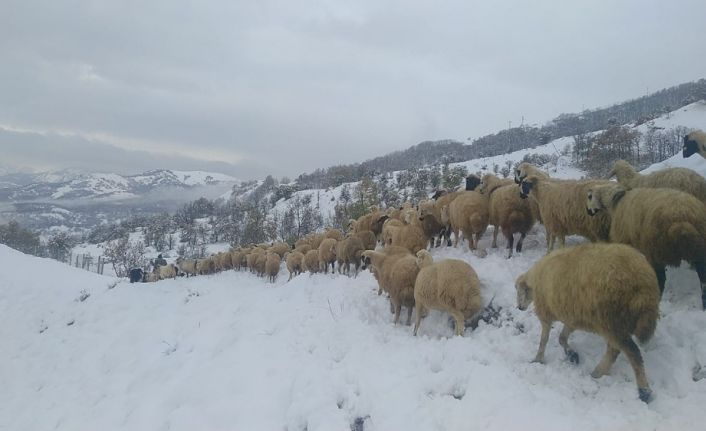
(72, 185)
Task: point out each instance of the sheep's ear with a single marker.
(610, 174)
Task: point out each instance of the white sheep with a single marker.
(449, 285)
(607, 289)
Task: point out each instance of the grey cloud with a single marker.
(292, 86)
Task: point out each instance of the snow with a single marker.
(230, 351)
(193, 178)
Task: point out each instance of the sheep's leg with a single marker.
(495, 237)
(458, 318)
(603, 367)
(630, 349)
(290, 276)
(546, 328)
(562, 241)
(510, 243)
(564, 342)
(409, 316)
(447, 235)
(418, 321)
(701, 271)
(456, 237)
(398, 309)
(661, 278)
(519, 243)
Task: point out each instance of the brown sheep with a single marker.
(410, 237)
(431, 223)
(380, 262)
(187, 266)
(388, 228)
(327, 254)
(272, 264)
(562, 206)
(682, 179)
(315, 240)
(295, 261)
(468, 213)
(449, 285)
(206, 266)
(303, 248)
(311, 261)
(365, 222)
(334, 233)
(607, 289)
(261, 264)
(400, 285)
(666, 225)
(280, 248)
(167, 271)
(368, 238)
(694, 142)
(507, 211)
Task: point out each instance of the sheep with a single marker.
(137, 275)
(261, 264)
(450, 285)
(694, 142)
(272, 264)
(303, 248)
(377, 224)
(507, 210)
(187, 266)
(410, 237)
(327, 254)
(682, 179)
(350, 252)
(368, 239)
(294, 261)
(311, 261)
(152, 277)
(562, 207)
(223, 261)
(666, 225)
(334, 233)
(390, 225)
(440, 203)
(400, 285)
(315, 240)
(364, 222)
(301, 242)
(167, 271)
(236, 257)
(430, 222)
(340, 259)
(608, 289)
(280, 248)
(467, 213)
(381, 261)
(526, 169)
(206, 266)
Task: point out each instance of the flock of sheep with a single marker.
(611, 286)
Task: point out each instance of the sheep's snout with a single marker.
(591, 211)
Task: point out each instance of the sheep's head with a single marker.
(526, 185)
(483, 186)
(472, 181)
(521, 172)
(693, 143)
(621, 170)
(424, 258)
(603, 198)
(524, 292)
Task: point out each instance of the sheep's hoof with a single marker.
(572, 356)
(645, 394)
(537, 361)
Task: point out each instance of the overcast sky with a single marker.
(283, 87)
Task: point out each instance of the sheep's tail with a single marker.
(646, 324)
(688, 239)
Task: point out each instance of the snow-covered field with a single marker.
(232, 352)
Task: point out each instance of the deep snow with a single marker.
(232, 352)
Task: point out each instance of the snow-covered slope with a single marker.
(67, 185)
(232, 352)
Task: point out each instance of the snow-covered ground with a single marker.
(232, 352)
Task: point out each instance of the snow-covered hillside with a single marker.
(65, 185)
(232, 352)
